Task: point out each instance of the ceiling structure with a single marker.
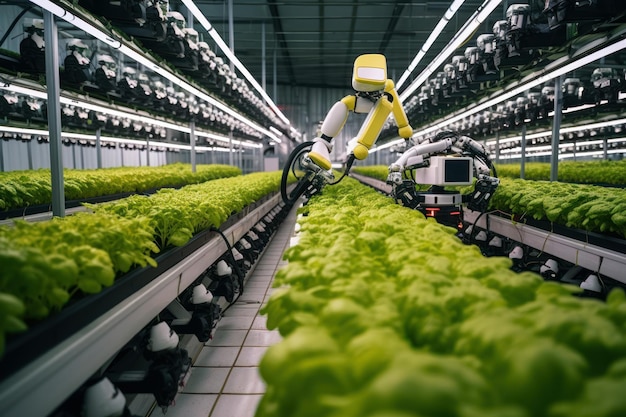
(313, 43)
(316, 41)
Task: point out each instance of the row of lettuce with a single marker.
(587, 207)
(19, 189)
(579, 172)
(384, 313)
(43, 265)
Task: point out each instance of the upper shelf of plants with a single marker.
(506, 78)
(120, 245)
(121, 60)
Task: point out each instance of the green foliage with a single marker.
(27, 188)
(587, 207)
(386, 313)
(582, 206)
(580, 172)
(43, 265)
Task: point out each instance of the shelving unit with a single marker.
(604, 261)
(607, 262)
(46, 381)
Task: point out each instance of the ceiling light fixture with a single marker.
(533, 80)
(457, 41)
(231, 56)
(132, 54)
(456, 4)
(71, 135)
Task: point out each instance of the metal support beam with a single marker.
(230, 148)
(497, 146)
(29, 153)
(522, 170)
(192, 142)
(280, 38)
(231, 33)
(263, 58)
(54, 113)
(148, 151)
(275, 75)
(556, 127)
(391, 26)
(98, 148)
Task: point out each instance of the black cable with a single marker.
(349, 163)
(13, 24)
(235, 266)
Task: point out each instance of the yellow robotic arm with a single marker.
(376, 95)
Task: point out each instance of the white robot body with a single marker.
(335, 119)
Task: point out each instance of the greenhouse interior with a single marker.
(313, 208)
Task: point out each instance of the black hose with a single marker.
(349, 163)
(240, 275)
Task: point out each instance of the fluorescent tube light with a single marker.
(198, 15)
(39, 132)
(520, 87)
(459, 38)
(131, 53)
(548, 133)
(456, 4)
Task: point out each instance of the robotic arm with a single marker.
(375, 95)
(448, 159)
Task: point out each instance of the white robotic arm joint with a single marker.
(446, 159)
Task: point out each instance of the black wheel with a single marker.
(294, 167)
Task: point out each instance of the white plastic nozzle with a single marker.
(496, 242)
(201, 295)
(592, 283)
(516, 253)
(162, 338)
(223, 268)
(481, 236)
(549, 266)
(103, 399)
(237, 255)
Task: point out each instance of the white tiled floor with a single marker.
(224, 380)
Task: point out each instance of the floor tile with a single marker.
(206, 380)
(259, 323)
(262, 338)
(255, 286)
(217, 356)
(226, 337)
(250, 355)
(188, 405)
(236, 405)
(242, 310)
(244, 380)
(224, 380)
(252, 297)
(234, 323)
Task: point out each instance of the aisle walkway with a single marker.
(224, 380)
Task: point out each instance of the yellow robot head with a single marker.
(370, 73)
